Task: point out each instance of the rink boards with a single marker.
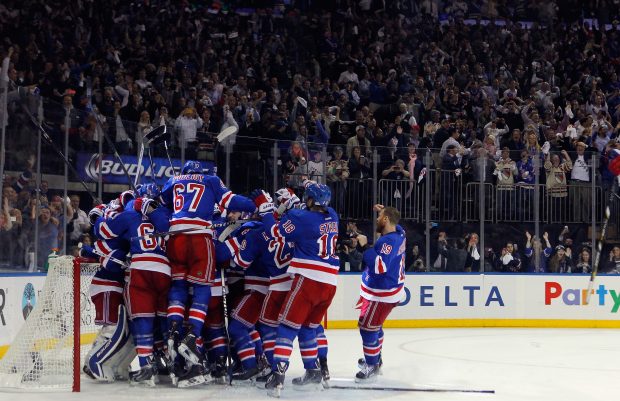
(429, 300)
(490, 300)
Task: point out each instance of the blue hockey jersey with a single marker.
(146, 253)
(314, 235)
(265, 259)
(383, 279)
(192, 198)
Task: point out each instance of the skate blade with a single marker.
(244, 383)
(325, 384)
(309, 387)
(145, 383)
(371, 379)
(218, 380)
(194, 381)
(275, 392)
(185, 352)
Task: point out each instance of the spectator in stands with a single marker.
(143, 128)
(537, 255)
(337, 174)
(48, 232)
(187, 126)
(505, 171)
(473, 253)
(456, 256)
(584, 262)
(509, 260)
(349, 254)
(560, 262)
(358, 199)
(121, 130)
(581, 188)
(525, 185)
(295, 165)
(557, 190)
(396, 171)
(450, 182)
(316, 167)
(360, 141)
(612, 265)
(78, 222)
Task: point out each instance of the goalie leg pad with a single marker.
(113, 340)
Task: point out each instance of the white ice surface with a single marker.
(519, 364)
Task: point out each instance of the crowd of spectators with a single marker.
(491, 96)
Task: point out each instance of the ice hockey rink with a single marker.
(517, 364)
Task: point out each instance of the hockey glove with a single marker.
(145, 205)
(259, 197)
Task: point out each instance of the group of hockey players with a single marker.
(205, 285)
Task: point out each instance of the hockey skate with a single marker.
(245, 377)
(263, 365)
(192, 377)
(262, 378)
(368, 374)
(312, 380)
(218, 370)
(324, 372)
(189, 350)
(146, 376)
(362, 362)
(275, 381)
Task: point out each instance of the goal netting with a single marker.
(48, 351)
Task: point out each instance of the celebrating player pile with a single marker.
(281, 269)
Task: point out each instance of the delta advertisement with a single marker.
(433, 300)
(112, 170)
(491, 300)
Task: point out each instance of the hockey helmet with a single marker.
(125, 197)
(191, 167)
(319, 193)
(95, 213)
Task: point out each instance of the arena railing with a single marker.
(439, 199)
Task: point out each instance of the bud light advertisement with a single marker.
(112, 171)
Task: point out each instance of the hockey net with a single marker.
(47, 353)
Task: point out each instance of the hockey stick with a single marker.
(190, 230)
(228, 347)
(103, 255)
(599, 246)
(410, 389)
(169, 159)
(151, 165)
(140, 156)
(118, 157)
(51, 143)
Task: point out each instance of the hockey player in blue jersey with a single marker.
(382, 288)
(192, 197)
(112, 351)
(262, 257)
(149, 277)
(314, 266)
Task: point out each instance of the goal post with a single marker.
(47, 353)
